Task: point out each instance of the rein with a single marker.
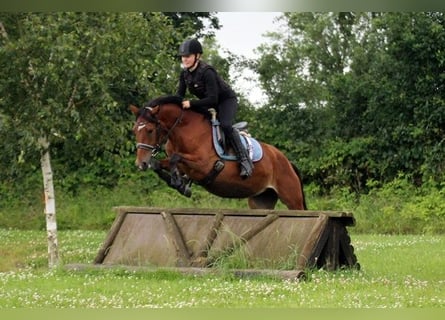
(156, 148)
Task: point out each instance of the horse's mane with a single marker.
(169, 99)
(164, 100)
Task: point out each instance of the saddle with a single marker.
(251, 145)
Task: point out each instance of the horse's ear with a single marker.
(155, 109)
(134, 109)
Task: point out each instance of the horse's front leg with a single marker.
(180, 181)
(176, 179)
(163, 169)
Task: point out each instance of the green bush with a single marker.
(397, 207)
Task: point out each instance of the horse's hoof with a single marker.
(175, 182)
(187, 193)
(185, 190)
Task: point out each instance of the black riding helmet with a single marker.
(190, 46)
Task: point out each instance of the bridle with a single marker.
(155, 149)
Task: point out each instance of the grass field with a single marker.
(396, 271)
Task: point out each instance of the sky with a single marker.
(241, 33)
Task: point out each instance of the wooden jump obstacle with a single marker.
(196, 238)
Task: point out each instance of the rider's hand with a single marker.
(185, 104)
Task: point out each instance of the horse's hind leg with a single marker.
(266, 200)
(291, 194)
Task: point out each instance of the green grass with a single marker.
(397, 271)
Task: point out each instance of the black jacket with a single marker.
(204, 83)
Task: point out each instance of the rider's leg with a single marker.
(226, 113)
(246, 165)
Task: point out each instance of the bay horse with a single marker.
(187, 136)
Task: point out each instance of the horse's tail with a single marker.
(301, 184)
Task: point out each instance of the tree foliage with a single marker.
(356, 97)
(70, 77)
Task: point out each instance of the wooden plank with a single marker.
(249, 234)
(258, 227)
(347, 216)
(114, 230)
(314, 244)
(177, 239)
(332, 251)
(347, 251)
(211, 236)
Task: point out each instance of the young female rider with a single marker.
(212, 91)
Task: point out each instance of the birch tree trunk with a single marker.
(50, 204)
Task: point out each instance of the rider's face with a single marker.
(188, 61)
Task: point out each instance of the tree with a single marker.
(61, 72)
(365, 88)
(406, 107)
(193, 23)
(299, 70)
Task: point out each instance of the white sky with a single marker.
(241, 33)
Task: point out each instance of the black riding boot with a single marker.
(246, 165)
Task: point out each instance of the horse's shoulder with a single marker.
(167, 99)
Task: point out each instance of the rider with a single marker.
(204, 82)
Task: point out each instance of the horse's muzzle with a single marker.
(145, 154)
(143, 166)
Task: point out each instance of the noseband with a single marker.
(156, 148)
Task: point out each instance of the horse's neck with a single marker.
(194, 126)
(190, 131)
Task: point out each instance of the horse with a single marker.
(187, 137)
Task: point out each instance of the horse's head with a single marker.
(147, 131)
(154, 126)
